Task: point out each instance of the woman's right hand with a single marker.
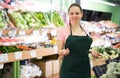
(64, 52)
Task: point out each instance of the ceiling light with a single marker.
(105, 2)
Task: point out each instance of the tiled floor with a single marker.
(57, 75)
(54, 76)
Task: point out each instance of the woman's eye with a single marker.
(71, 13)
(77, 13)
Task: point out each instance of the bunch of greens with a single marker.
(19, 20)
(31, 22)
(2, 23)
(57, 19)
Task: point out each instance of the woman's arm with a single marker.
(61, 50)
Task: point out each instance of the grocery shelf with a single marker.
(22, 55)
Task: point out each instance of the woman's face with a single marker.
(7, 1)
(75, 14)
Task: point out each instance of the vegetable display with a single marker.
(36, 20)
(2, 21)
(41, 17)
(31, 22)
(113, 70)
(107, 52)
(19, 20)
(8, 49)
(56, 19)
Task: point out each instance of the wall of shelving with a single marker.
(92, 5)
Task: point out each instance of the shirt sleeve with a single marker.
(63, 33)
(60, 35)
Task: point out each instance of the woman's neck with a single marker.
(75, 26)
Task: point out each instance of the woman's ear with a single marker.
(81, 15)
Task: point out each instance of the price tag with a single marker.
(1, 66)
(55, 49)
(39, 57)
(33, 53)
(22, 33)
(53, 32)
(18, 55)
(3, 57)
(36, 32)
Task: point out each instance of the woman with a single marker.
(74, 44)
(6, 5)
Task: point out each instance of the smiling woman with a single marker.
(73, 45)
(6, 4)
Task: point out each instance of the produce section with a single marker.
(29, 40)
(22, 55)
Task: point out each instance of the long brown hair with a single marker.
(77, 5)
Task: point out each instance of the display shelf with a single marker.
(16, 56)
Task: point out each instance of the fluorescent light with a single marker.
(105, 2)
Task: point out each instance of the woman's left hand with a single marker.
(95, 53)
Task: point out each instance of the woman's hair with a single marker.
(77, 5)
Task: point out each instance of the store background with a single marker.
(62, 6)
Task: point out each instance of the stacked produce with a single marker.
(14, 48)
(113, 70)
(56, 19)
(36, 20)
(31, 22)
(42, 18)
(106, 52)
(8, 49)
(19, 20)
(117, 46)
(48, 18)
(2, 21)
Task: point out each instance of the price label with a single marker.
(36, 32)
(1, 66)
(18, 55)
(53, 32)
(3, 57)
(33, 53)
(55, 49)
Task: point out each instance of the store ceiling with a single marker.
(114, 1)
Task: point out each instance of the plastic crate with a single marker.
(100, 70)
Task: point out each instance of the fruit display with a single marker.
(117, 46)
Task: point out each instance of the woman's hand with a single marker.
(64, 52)
(95, 53)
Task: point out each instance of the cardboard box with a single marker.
(46, 67)
(55, 66)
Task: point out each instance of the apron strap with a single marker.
(85, 31)
(80, 27)
(70, 29)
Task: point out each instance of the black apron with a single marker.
(76, 64)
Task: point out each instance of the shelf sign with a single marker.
(33, 53)
(3, 57)
(55, 49)
(18, 55)
(1, 66)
